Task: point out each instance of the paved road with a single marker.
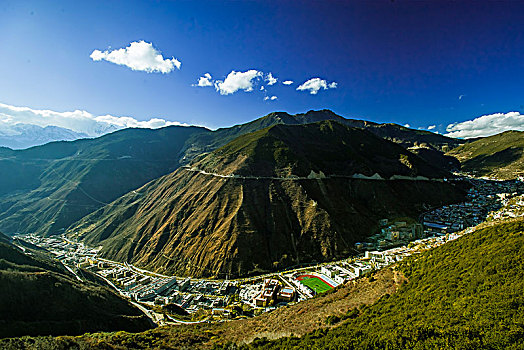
(312, 176)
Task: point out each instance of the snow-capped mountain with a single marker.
(19, 136)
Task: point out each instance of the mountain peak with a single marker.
(327, 146)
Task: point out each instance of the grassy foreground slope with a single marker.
(464, 295)
(500, 156)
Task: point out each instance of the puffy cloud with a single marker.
(78, 121)
(407, 126)
(238, 81)
(204, 81)
(287, 82)
(139, 55)
(262, 88)
(431, 127)
(272, 98)
(313, 85)
(271, 80)
(487, 125)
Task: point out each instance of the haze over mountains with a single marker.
(20, 136)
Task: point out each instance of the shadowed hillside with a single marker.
(38, 296)
(206, 142)
(45, 189)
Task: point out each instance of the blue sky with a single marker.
(420, 63)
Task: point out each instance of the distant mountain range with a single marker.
(20, 136)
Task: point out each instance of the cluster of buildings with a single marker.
(345, 271)
(272, 292)
(191, 295)
(484, 197)
(391, 234)
(71, 254)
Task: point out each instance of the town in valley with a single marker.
(174, 299)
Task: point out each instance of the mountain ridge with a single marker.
(190, 223)
(44, 189)
(47, 188)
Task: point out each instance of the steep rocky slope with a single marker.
(45, 189)
(261, 203)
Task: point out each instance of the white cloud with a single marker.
(461, 97)
(431, 127)
(272, 98)
(287, 82)
(487, 125)
(78, 121)
(139, 55)
(262, 88)
(315, 84)
(204, 81)
(407, 126)
(238, 81)
(271, 80)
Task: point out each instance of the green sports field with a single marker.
(316, 284)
